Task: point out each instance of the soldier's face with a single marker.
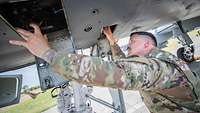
(136, 46)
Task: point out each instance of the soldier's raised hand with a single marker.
(109, 35)
(35, 42)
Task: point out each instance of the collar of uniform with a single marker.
(154, 50)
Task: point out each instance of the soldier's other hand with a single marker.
(35, 42)
(107, 31)
(109, 35)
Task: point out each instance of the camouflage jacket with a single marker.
(161, 85)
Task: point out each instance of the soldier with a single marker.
(161, 78)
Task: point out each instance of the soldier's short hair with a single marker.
(146, 34)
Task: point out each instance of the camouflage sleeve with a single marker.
(122, 74)
(117, 52)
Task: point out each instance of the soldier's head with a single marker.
(141, 43)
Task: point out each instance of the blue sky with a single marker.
(29, 73)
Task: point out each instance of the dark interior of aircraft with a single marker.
(48, 14)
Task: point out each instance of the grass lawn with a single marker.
(43, 102)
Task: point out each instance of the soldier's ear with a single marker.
(146, 44)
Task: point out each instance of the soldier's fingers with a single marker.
(18, 43)
(109, 28)
(24, 32)
(36, 28)
(24, 37)
(105, 28)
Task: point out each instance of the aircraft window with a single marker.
(29, 73)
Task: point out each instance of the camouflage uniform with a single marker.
(161, 85)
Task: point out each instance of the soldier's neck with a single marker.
(148, 52)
